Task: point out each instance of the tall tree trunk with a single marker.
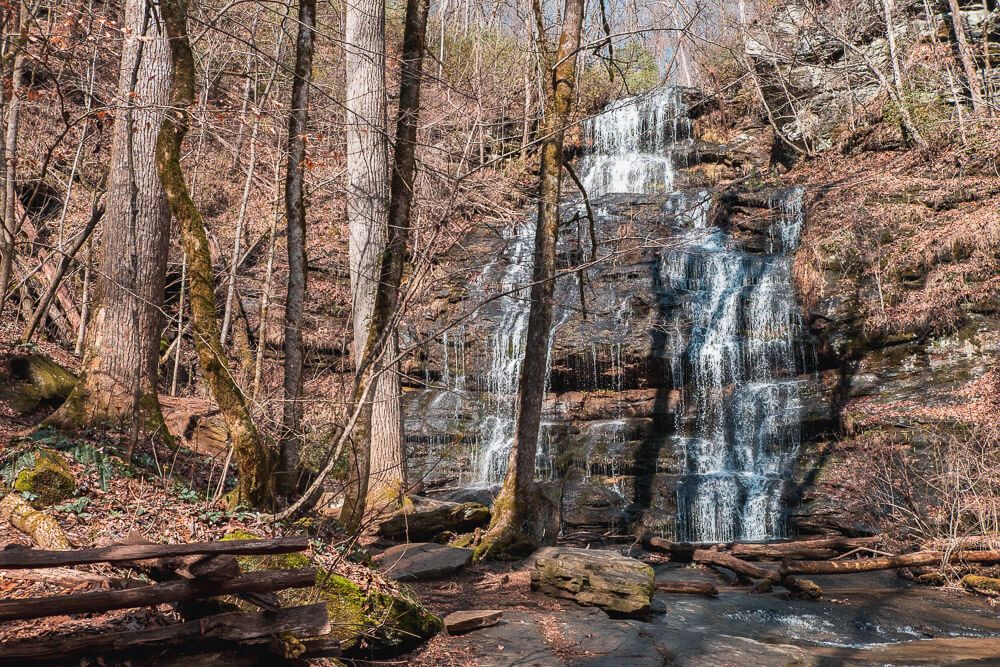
(295, 213)
(252, 457)
(367, 214)
(509, 530)
(387, 474)
(117, 383)
(965, 56)
(17, 15)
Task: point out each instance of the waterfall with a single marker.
(695, 313)
(630, 144)
(742, 387)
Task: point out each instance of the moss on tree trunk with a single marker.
(253, 458)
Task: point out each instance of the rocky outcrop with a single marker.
(621, 586)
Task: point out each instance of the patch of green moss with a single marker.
(37, 380)
(50, 479)
(387, 623)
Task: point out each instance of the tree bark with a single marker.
(965, 56)
(295, 213)
(252, 457)
(367, 214)
(117, 382)
(19, 40)
(511, 513)
(387, 472)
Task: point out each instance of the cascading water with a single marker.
(682, 308)
(740, 357)
(731, 328)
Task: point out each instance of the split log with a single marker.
(121, 553)
(39, 526)
(174, 591)
(889, 562)
(688, 588)
(307, 621)
(67, 578)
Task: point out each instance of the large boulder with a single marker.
(425, 519)
(368, 620)
(621, 586)
(423, 560)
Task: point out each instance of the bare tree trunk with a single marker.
(10, 227)
(509, 532)
(295, 213)
(252, 457)
(117, 383)
(387, 474)
(367, 211)
(265, 303)
(965, 56)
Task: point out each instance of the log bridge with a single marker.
(179, 573)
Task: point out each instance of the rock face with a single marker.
(621, 586)
(425, 518)
(464, 621)
(423, 560)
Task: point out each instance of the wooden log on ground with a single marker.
(39, 526)
(688, 588)
(306, 621)
(173, 591)
(681, 552)
(67, 578)
(984, 585)
(121, 553)
(962, 543)
(796, 586)
(889, 562)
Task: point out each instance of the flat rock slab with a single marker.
(458, 622)
(621, 586)
(423, 560)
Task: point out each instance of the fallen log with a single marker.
(888, 562)
(173, 591)
(39, 526)
(688, 588)
(681, 552)
(811, 549)
(122, 553)
(307, 621)
(800, 587)
(963, 543)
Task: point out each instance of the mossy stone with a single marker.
(50, 478)
(36, 379)
(387, 623)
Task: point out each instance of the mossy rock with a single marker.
(984, 585)
(370, 622)
(49, 479)
(33, 380)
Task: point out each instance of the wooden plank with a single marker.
(119, 553)
(306, 621)
(172, 591)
